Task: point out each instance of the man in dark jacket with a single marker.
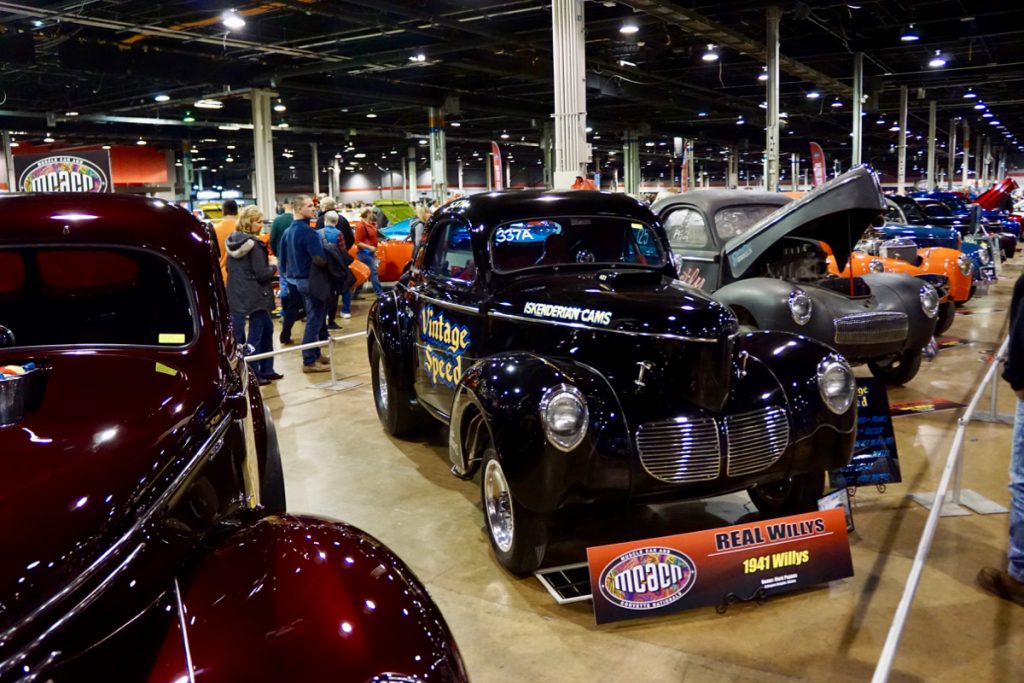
(1009, 584)
(302, 251)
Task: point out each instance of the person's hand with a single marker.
(1020, 394)
(692, 277)
(272, 260)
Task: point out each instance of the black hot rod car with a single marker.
(549, 332)
(767, 264)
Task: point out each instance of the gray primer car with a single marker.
(767, 264)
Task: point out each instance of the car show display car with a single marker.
(145, 536)
(548, 331)
(769, 267)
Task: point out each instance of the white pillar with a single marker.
(411, 173)
(986, 176)
(335, 183)
(461, 165)
(315, 147)
(932, 161)
(858, 107)
(438, 155)
(771, 180)
(733, 169)
(951, 155)
(263, 146)
(570, 82)
(794, 170)
(12, 180)
(901, 158)
(966, 168)
(631, 162)
(979, 159)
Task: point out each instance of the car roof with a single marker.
(105, 218)
(710, 201)
(492, 208)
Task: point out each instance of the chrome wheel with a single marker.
(382, 385)
(498, 507)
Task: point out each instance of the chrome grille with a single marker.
(871, 328)
(755, 440)
(681, 450)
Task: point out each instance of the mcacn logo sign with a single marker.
(647, 578)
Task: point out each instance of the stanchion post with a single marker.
(958, 474)
(330, 357)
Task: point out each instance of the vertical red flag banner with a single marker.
(818, 162)
(499, 177)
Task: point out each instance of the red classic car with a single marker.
(142, 500)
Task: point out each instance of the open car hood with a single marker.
(836, 214)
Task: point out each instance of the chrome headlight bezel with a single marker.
(836, 384)
(929, 300)
(964, 264)
(801, 306)
(876, 266)
(983, 255)
(555, 398)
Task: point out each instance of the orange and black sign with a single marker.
(760, 559)
(924, 405)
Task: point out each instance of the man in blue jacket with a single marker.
(301, 251)
(1009, 584)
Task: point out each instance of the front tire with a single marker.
(898, 370)
(790, 496)
(519, 537)
(399, 415)
(947, 313)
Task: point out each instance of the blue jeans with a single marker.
(260, 338)
(346, 300)
(370, 260)
(1016, 551)
(315, 319)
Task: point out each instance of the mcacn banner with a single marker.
(64, 172)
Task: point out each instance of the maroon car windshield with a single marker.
(574, 240)
(93, 296)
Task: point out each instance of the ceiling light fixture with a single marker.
(910, 34)
(994, 122)
(894, 128)
(48, 138)
(629, 28)
(626, 62)
(970, 94)
(938, 61)
(418, 57)
(232, 20)
(105, 147)
(71, 113)
(504, 136)
(813, 95)
(371, 115)
(710, 55)
(763, 76)
(15, 144)
(189, 118)
(702, 114)
(979, 105)
(207, 103)
(280, 106)
(283, 124)
(162, 97)
(987, 115)
(836, 103)
(455, 124)
(140, 142)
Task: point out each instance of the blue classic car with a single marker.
(995, 220)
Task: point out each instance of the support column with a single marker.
(979, 159)
(986, 177)
(335, 181)
(187, 172)
(1001, 166)
(967, 153)
(567, 33)
(951, 155)
(794, 170)
(858, 107)
(547, 144)
(315, 147)
(631, 162)
(771, 179)
(411, 175)
(438, 156)
(691, 165)
(508, 173)
(932, 162)
(263, 147)
(733, 180)
(489, 171)
(901, 158)
(12, 180)
(461, 166)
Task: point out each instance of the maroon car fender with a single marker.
(303, 599)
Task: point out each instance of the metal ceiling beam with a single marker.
(699, 25)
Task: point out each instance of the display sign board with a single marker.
(875, 460)
(922, 405)
(498, 178)
(755, 560)
(64, 172)
(818, 164)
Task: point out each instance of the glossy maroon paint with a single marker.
(105, 503)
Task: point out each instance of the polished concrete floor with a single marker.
(338, 462)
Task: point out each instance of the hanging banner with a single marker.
(499, 177)
(70, 172)
(718, 566)
(875, 460)
(818, 162)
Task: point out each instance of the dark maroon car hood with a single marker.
(72, 470)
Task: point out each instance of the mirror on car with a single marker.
(6, 337)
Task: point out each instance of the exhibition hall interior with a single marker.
(511, 340)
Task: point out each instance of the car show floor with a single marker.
(338, 462)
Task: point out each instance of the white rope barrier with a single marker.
(329, 343)
(892, 641)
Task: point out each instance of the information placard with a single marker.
(875, 460)
(64, 172)
(674, 573)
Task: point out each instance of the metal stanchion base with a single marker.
(970, 501)
(987, 416)
(338, 385)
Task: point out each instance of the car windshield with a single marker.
(955, 203)
(53, 296)
(574, 240)
(937, 210)
(733, 221)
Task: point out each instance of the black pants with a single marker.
(292, 305)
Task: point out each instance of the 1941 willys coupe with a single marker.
(549, 332)
(144, 535)
(769, 267)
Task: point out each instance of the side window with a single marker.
(686, 229)
(452, 257)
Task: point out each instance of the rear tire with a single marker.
(399, 415)
(519, 537)
(898, 370)
(947, 313)
(790, 496)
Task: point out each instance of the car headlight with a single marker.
(964, 264)
(929, 300)
(876, 266)
(983, 255)
(563, 411)
(800, 306)
(836, 384)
